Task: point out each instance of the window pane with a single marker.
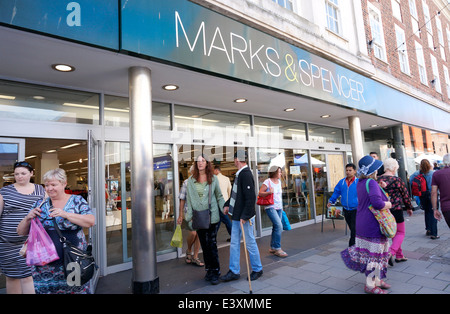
(324, 134)
(117, 113)
(208, 124)
(270, 131)
(40, 103)
(294, 182)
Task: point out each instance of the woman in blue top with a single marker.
(72, 213)
(272, 185)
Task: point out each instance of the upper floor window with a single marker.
(401, 47)
(288, 4)
(421, 63)
(376, 28)
(396, 10)
(333, 16)
(414, 17)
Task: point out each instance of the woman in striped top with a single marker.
(16, 200)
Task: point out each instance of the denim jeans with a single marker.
(277, 227)
(235, 246)
(430, 221)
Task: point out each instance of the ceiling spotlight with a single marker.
(170, 87)
(325, 116)
(289, 109)
(374, 125)
(240, 100)
(63, 67)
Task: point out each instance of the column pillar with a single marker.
(400, 152)
(356, 137)
(144, 275)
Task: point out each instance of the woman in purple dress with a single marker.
(370, 253)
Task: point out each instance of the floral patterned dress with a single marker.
(49, 279)
(398, 196)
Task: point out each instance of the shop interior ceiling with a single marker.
(28, 57)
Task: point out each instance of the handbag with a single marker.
(78, 265)
(177, 239)
(201, 219)
(265, 200)
(40, 249)
(388, 225)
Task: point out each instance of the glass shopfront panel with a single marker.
(270, 131)
(212, 126)
(40, 103)
(117, 113)
(294, 181)
(325, 134)
(118, 200)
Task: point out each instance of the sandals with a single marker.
(188, 259)
(384, 285)
(375, 290)
(197, 262)
(401, 259)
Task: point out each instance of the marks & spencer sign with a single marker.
(185, 33)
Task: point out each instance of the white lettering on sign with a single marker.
(74, 17)
(255, 57)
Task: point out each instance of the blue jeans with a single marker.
(235, 246)
(277, 228)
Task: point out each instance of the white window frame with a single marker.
(376, 26)
(447, 80)
(414, 17)
(427, 17)
(437, 81)
(421, 64)
(333, 20)
(402, 50)
(396, 10)
(287, 4)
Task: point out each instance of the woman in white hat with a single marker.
(275, 211)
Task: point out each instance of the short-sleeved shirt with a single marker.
(277, 194)
(441, 178)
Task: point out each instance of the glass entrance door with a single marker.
(327, 169)
(93, 198)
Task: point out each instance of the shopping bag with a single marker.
(285, 221)
(265, 200)
(388, 225)
(177, 239)
(40, 247)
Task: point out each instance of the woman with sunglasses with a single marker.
(16, 200)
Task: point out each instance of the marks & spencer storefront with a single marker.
(233, 87)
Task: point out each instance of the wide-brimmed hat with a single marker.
(368, 165)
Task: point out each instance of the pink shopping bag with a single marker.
(40, 249)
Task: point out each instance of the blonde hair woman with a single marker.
(72, 213)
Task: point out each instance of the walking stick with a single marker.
(246, 258)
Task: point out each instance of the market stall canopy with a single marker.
(431, 157)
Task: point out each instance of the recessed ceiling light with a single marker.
(374, 125)
(170, 87)
(325, 116)
(240, 100)
(289, 109)
(63, 67)
(39, 97)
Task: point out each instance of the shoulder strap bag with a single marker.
(201, 219)
(388, 225)
(265, 200)
(79, 266)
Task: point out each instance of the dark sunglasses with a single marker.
(23, 164)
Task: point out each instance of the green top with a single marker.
(197, 198)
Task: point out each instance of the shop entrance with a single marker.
(221, 157)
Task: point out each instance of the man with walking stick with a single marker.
(241, 206)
